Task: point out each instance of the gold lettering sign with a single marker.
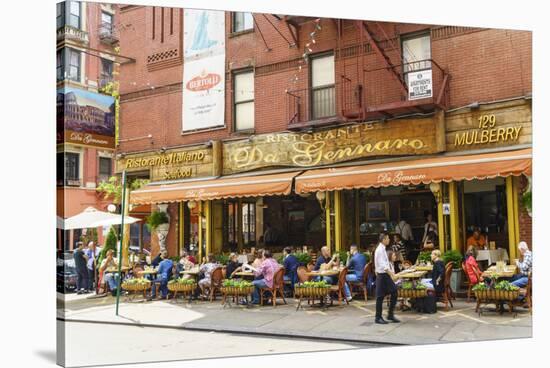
(304, 150)
(171, 165)
(487, 132)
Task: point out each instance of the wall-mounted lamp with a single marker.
(435, 188)
(111, 208)
(191, 204)
(321, 197)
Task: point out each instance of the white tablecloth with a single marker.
(492, 256)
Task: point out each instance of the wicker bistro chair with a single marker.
(278, 287)
(339, 287)
(447, 295)
(362, 284)
(215, 282)
(302, 277)
(469, 293)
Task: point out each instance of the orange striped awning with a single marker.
(230, 187)
(418, 171)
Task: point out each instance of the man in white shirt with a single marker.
(404, 229)
(384, 281)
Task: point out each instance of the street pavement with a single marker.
(353, 323)
(122, 344)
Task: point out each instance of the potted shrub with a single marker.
(222, 259)
(496, 292)
(303, 258)
(424, 257)
(456, 258)
(158, 221)
(182, 285)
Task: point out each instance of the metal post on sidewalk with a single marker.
(122, 211)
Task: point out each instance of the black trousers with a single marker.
(385, 286)
(82, 279)
(91, 279)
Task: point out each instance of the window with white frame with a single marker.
(242, 21)
(73, 64)
(416, 52)
(323, 93)
(74, 14)
(243, 95)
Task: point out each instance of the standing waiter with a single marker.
(384, 281)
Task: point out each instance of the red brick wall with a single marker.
(485, 65)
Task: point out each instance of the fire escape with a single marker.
(380, 91)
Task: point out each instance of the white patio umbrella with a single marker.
(92, 217)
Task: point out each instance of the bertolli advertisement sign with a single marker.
(203, 69)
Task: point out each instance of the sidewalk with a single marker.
(352, 323)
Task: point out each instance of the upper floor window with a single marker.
(242, 21)
(74, 13)
(73, 64)
(60, 11)
(416, 51)
(323, 93)
(72, 168)
(106, 21)
(60, 64)
(105, 168)
(106, 72)
(243, 96)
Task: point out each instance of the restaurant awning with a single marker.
(418, 171)
(230, 187)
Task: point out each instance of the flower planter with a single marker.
(496, 295)
(136, 287)
(179, 287)
(237, 291)
(312, 292)
(412, 293)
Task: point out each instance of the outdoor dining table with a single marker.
(331, 272)
(509, 271)
(413, 274)
(193, 272)
(115, 269)
(427, 268)
(244, 274)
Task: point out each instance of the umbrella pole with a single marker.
(122, 211)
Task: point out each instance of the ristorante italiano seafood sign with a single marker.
(288, 149)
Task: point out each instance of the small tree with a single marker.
(110, 243)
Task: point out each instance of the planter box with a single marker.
(412, 293)
(496, 295)
(311, 292)
(185, 288)
(237, 291)
(136, 287)
(456, 279)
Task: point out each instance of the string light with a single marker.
(307, 48)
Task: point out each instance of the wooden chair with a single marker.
(215, 282)
(224, 272)
(469, 293)
(278, 287)
(339, 287)
(447, 295)
(362, 284)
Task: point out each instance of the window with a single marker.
(105, 168)
(416, 52)
(106, 72)
(59, 168)
(60, 64)
(106, 22)
(242, 21)
(74, 64)
(72, 168)
(74, 14)
(243, 95)
(323, 95)
(60, 10)
(249, 223)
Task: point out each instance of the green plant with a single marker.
(222, 259)
(527, 200)
(137, 281)
(343, 256)
(506, 285)
(313, 284)
(110, 243)
(406, 285)
(155, 219)
(425, 257)
(236, 283)
(303, 258)
(91, 235)
(182, 281)
(453, 256)
(280, 259)
(479, 286)
(175, 259)
(112, 188)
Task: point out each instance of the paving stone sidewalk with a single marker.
(354, 322)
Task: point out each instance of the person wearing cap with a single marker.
(525, 266)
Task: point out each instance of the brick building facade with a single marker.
(474, 70)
